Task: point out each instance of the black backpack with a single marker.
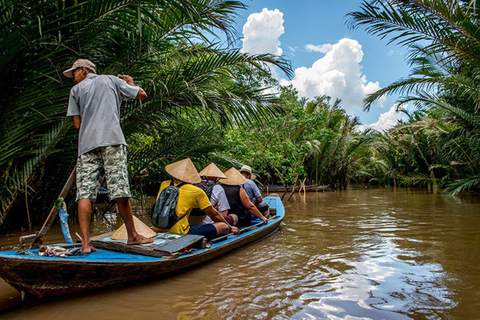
(164, 215)
(207, 188)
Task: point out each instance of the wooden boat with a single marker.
(307, 188)
(42, 276)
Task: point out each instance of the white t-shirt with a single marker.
(218, 200)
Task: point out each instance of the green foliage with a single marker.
(166, 45)
(439, 146)
(311, 140)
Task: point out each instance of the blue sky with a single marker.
(327, 56)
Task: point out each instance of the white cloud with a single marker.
(292, 50)
(338, 74)
(385, 121)
(323, 48)
(262, 31)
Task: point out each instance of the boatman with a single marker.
(253, 192)
(94, 104)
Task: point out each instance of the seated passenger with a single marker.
(240, 206)
(253, 192)
(191, 197)
(215, 193)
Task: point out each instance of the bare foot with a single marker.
(87, 248)
(139, 239)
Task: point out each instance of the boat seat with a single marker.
(165, 244)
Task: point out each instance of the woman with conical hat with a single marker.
(210, 175)
(240, 206)
(183, 175)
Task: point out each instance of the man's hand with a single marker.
(142, 95)
(127, 78)
(234, 229)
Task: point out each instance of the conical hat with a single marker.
(142, 229)
(234, 178)
(183, 170)
(212, 171)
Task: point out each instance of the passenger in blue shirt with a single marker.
(253, 192)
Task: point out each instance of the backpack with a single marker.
(164, 215)
(207, 188)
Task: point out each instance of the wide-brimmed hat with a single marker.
(234, 178)
(248, 169)
(140, 227)
(78, 64)
(212, 171)
(183, 170)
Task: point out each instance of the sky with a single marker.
(327, 56)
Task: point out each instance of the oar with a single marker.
(241, 231)
(51, 216)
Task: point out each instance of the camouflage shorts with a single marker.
(104, 162)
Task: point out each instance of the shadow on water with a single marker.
(369, 254)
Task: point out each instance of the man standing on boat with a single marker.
(94, 104)
(253, 192)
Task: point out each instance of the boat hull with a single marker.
(46, 277)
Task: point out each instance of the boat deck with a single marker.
(109, 256)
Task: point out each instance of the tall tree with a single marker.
(444, 44)
(164, 44)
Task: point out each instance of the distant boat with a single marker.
(307, 188)
(115, 263)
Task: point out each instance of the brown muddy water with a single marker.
(358, 254)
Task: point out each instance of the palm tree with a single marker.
(166, 44)
(444, 44)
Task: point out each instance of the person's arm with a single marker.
(250, 206)
(257, 195)
(219, 200)
(223, 213)
(141, 95)
(216, 216)
(77, 121)
(258, 199)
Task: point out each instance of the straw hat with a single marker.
(183, 170)
(248, 169)
(234, 178)
(212, 171)
(142, 229)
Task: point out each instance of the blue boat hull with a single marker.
(51, 276)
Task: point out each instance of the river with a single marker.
(356, 254)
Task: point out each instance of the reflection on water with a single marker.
(360, 254)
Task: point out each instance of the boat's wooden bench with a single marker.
(165, 245)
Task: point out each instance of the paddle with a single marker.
(51, 216)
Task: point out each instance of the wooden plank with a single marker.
(179, 244)
(163, 250)
(146, 250)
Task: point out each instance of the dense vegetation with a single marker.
(211, 102)
(438, 146)
(169, 47)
